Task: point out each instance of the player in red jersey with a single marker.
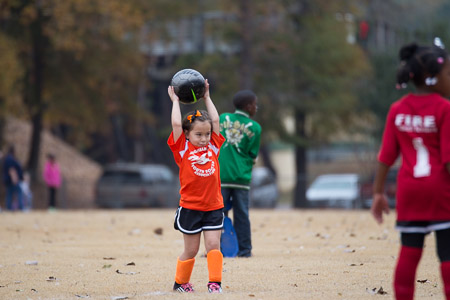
(195, 142)
(418, 128)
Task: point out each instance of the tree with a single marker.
(8, 80)
(80, 67)
(305, 69)
(66, 49)
(393, 24)
(313, 72)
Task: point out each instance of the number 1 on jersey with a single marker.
(422, 167)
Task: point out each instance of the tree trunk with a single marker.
(265, 154)
(120, 137)
(34, 95)
(300, 163)
(246, 65)
(2, 122)
(299, 201)
(139, 126)
(35, 144)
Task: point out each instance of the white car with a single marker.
(335, 190)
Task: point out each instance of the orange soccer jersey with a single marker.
(199, 172)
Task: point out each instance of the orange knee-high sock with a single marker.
(215, 265)
(184, 270)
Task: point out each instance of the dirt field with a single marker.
(99, 254)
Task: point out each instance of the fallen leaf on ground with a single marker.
(126, 273)
(376, 291)
(422, 280)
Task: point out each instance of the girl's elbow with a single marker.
(176, 124)
(216, 124)
(215, 120)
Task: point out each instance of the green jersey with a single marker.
(240, 149)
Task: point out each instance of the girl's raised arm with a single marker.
(211, 108)
(176, 114)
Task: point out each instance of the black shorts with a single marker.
(190, 221)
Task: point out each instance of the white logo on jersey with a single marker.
(415, 123)
(201, 160)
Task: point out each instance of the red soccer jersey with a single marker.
(418, 128)
(199, 172)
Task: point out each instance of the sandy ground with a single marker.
(118, 254)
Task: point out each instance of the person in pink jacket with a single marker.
(52, 178)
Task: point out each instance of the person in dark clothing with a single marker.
(12, 176)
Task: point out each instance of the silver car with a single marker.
(264, 191)
(137, 185)
(335, 190)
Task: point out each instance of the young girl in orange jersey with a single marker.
(418, 129)
(195, 142)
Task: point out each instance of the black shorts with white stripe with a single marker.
(190, 221)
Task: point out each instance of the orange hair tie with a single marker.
(192, 117)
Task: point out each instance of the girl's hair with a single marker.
(193, 116)
(418, 62)
(243, 98)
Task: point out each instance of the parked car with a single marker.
(137, 185)
(263, 188)
(390, 188)
(334, 190)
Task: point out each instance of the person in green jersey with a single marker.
(237, 157)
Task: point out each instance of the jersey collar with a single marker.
(241, 112)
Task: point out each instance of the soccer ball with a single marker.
(189, 85)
